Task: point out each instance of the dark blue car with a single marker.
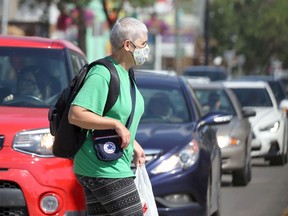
(183, 158)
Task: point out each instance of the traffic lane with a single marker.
(265, 195)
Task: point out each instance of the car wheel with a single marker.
(279, 160)
(243, 176)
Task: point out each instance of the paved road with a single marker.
(265, 195)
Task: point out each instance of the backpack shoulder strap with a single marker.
(114, 86)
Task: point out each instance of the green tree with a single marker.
(259, 27)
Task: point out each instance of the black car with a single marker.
(213, 73)
(183, 158)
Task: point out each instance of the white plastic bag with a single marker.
(145, 191)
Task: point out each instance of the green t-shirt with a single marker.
(92, 96)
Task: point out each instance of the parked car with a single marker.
(270, 123)
(276, 85)
(32, 181)
(234, 138)
(283, 78)
(213, 73)
(183, 158)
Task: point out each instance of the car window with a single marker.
(43, 71)
(253, 97)
(215, 100)
(77, 62)
(164, 106)
(278, 91)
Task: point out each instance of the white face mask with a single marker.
(140, 55)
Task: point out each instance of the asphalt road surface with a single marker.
(265, 195)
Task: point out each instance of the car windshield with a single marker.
(31, 77)
(214, 100)
(164, 106)
(253, 97)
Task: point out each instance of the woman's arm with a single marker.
(84, 118)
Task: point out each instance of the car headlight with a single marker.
(36, 142)
(272, 127)
(224, 141)
(183, 159)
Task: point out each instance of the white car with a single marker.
(270, 128)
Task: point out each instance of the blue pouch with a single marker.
(107, 145)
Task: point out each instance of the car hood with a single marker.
(15, 119)
(264, 115)
(164, 137)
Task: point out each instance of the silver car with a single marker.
(234, 139)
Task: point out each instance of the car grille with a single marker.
(11, 210)
(1, 141)
(8, 184)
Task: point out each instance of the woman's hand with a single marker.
(139, 155)
(124, 133)
(8, 98)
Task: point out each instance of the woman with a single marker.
(109, 186)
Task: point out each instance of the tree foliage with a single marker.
(255, 28)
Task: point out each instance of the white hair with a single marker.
(126, 28)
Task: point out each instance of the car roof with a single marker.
(205, 68)
(256, 77)
(245, 84)
(206, 85)
(156, 77)
(37, 42)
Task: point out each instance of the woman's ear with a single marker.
(127, 45)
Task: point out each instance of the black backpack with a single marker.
(69, 138)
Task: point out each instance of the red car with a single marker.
(32, 181)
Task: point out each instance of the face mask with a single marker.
(140, 55)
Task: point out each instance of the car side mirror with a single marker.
(248, 113)
(214, 118)
(284, 106)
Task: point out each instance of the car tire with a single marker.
(279, 160)
(243, 176)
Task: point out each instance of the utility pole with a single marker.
(178, 55)
(4, 20)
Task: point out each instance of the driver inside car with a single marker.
(160, 107)
(28, 84)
